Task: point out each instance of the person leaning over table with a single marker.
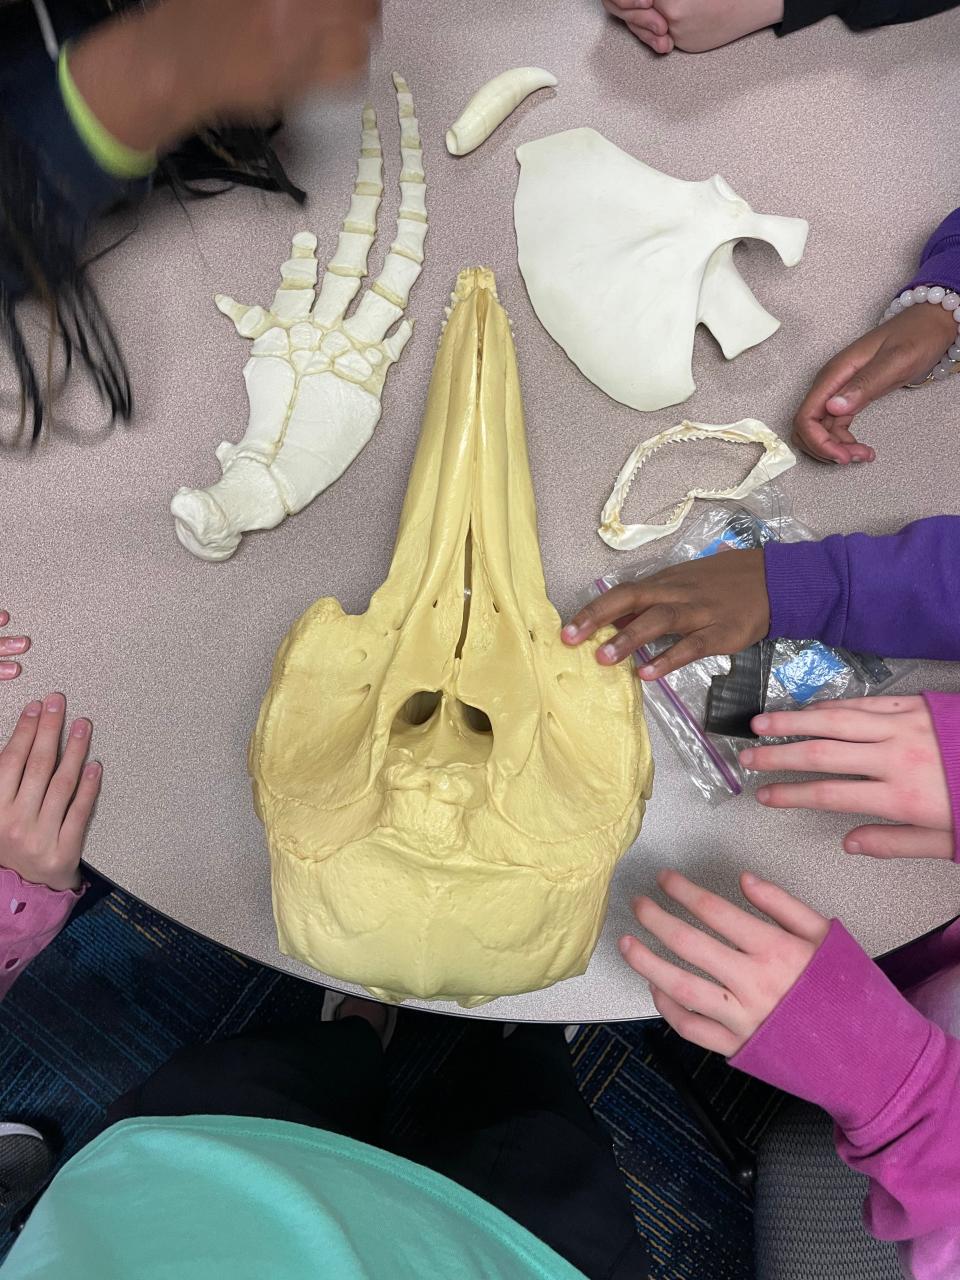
(695, 26)
(793, 999)
(265, 1156)
(100, 99)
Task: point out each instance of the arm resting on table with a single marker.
(845, 1039)
(898, 596)
(860, 15)
(940, 260)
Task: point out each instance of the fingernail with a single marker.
(624, 944)
(16, 644)
(93, 770)
(858, 459)
(760, 723)
(9, 669)
(750, 879)
(648, 673)
(79, 728)
(763, 795)
(746, 757)
(842, 401)
(55, 702)
(570, 631)
(607, 651)
(853, 846)
(33, 708)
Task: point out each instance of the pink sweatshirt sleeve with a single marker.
(845, 1039)
(31, 916)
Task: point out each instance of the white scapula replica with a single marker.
(491, 104)
(622, 263)
(446, 786)
(777, 458)
(315, 379)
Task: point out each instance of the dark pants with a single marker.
(505, 1119)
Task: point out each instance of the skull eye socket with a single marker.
(420, 707)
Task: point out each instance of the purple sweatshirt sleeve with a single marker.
(31, 916)
(897, 596)
(845, 1039)
(940, 260)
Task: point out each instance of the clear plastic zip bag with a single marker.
(704, 709)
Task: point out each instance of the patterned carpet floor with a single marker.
(122, 988)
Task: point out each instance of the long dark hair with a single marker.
(42, 229)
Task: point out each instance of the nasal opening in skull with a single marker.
(420, 706)
(478, 720)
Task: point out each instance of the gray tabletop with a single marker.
(170, 656)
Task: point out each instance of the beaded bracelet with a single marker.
(937, 296)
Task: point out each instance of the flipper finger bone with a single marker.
(348, 266)
(384, 302)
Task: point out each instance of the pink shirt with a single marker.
(885, 1064)
(31, 916)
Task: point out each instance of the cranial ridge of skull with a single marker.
(445, 786)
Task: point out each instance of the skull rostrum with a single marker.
(445, 786)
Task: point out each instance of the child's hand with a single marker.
(45, 808)
(750, 978)
(717, 605)
(890, 744)
(10, 645)
(898, 351)
(152, 77)
(645, 21)
(694, 25)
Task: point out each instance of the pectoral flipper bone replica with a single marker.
(315, 378)
(446, 787)
(623, 262)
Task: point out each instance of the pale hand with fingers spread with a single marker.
(315, 378)
(897, 352)
(890, 745)
(45, 805)
(11, 647)
(746, 979)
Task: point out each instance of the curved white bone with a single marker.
(623, 262)
(315, 379)
(491, 104)
(777, 458)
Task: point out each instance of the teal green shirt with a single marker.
(205, 1197)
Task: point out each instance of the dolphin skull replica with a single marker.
(446, 787)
